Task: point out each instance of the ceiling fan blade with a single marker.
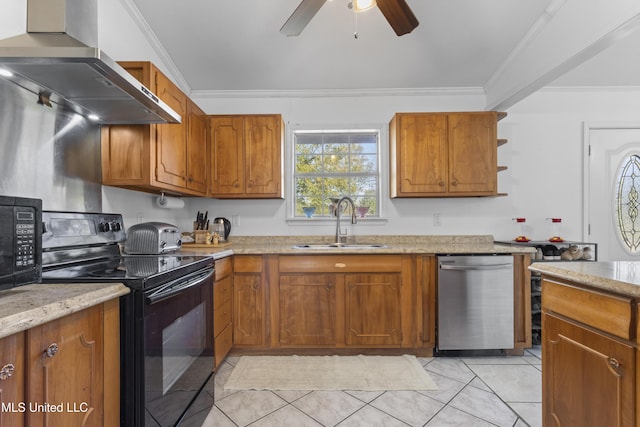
(399, 15)
(301, 17)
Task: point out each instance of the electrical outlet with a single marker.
(235, 220)
(436, 220)
(139, 217)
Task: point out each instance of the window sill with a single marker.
(323, 221)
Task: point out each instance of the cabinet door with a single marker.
(588, 378)
(421, 146)
(12, 370)
(307, 309)
(373, 309)
(72, 375)
(171, 149)
(472, 153)
(263, 155)
(197, 155)
(248, 310)
(227, 155)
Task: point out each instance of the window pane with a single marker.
(627, 205)
(364, 163)
(335, 164)
(308, 164)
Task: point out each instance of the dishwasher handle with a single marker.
(502, 266)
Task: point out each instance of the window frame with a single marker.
(383, 182)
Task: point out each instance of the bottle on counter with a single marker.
(522, 236)
(555, 230)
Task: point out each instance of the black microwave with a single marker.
(20, 241)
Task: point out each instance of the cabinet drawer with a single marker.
(602, 311)
(222, 345)
(221, 317)
(223, 268)
(222, 292)
(340, 263)
(247, 264)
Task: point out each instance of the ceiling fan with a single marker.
(396, 12)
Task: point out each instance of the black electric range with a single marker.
(166, 321)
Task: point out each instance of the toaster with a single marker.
(149, 238)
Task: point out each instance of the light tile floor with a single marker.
(474, 391)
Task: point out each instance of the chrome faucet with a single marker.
(353, 215)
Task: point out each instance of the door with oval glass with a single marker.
(613, 191)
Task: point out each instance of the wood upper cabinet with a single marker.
(158, 157)
(443, 154)
(171, 140)
(197, 153)
(246, 156)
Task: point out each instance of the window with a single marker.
(332, 164)
(627, 204)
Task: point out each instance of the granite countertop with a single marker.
(438, 244)
(621, 277)
(24, 307)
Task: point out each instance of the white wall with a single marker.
(544, 156)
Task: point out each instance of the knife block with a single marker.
(201, 237)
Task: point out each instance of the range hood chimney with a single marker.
(57, 59)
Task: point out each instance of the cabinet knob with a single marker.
(441, 183)
(614, 363)
(7, 371)
(329, 286)
(52, 350)
(454, 183)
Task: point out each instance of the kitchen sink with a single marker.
(340, 246)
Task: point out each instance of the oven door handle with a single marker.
(179, 285)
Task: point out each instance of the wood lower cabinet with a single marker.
(307, 314)
(249, 301)
(246, 156)
(373, 309)
(444, 154)
(12, 381)
(348, 300)
(588, 379)
(158, 157)
(71, 363)
(589, 361)
(222, 309)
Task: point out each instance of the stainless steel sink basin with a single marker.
(340, 246)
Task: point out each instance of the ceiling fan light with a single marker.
(362, 5)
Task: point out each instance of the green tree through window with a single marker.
(332, 164)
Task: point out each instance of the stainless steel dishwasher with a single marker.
(475, 302)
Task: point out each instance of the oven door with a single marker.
(178, 346)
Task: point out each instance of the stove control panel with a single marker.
(74, 228)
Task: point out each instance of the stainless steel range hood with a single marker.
(57, 60)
